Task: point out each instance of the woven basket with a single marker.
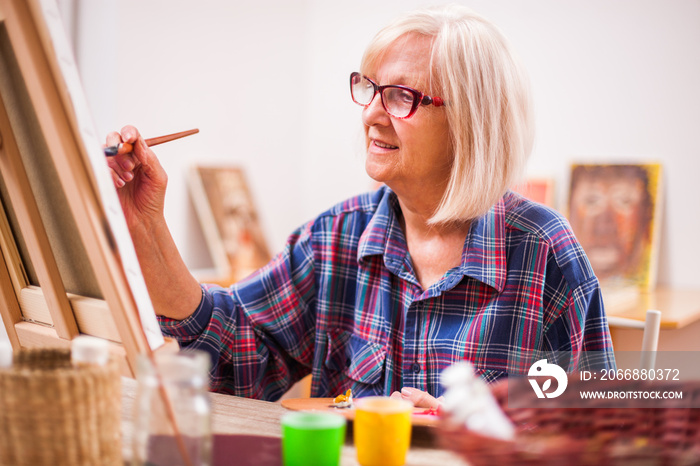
(600, 435)
(57, 414)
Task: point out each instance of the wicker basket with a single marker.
(57, 414)
(598, 435)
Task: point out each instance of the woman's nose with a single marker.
(374, 113)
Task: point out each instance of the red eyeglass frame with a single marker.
(418, 100)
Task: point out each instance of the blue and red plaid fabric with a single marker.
(342, 302)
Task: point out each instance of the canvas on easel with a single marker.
(68, 265)
(614, 210)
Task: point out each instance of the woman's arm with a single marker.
(141, 183)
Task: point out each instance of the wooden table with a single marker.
(234, 415)
(680, 318)
(679, 307)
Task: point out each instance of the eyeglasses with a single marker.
(398, 101)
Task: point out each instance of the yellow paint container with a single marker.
(382, 431)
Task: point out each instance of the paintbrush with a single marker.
(125, 148)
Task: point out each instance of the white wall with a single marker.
(3, 333)
(267, 85)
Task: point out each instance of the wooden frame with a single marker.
(70, 234)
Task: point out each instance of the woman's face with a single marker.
(413, 153)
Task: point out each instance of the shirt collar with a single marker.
(383, 234)
(483, 256)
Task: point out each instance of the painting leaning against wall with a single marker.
(229, 220)
(614, 210)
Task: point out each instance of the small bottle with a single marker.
(177, 389)
(469, 402)
(5, 355)
(87, 350)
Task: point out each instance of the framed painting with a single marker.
(229, 220)
(615, 210)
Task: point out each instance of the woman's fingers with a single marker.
(113, 139)
(122, 164)
(130, 134)
(419, 398)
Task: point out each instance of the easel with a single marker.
(47, 315)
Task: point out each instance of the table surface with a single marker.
(235, 415)
(679, 307)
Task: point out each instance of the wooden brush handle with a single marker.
(126, 147)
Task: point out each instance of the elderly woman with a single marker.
(382, 292)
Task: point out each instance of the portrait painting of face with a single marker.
(612, 210)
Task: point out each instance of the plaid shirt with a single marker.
(342, 302)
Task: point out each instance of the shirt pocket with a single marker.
(491, 375)
(359, 359)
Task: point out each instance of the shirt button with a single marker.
(415, 367)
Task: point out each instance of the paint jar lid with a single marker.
(89, 350)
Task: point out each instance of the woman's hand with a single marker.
(139, 178)
(419, 398)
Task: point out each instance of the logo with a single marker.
(542, 369)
